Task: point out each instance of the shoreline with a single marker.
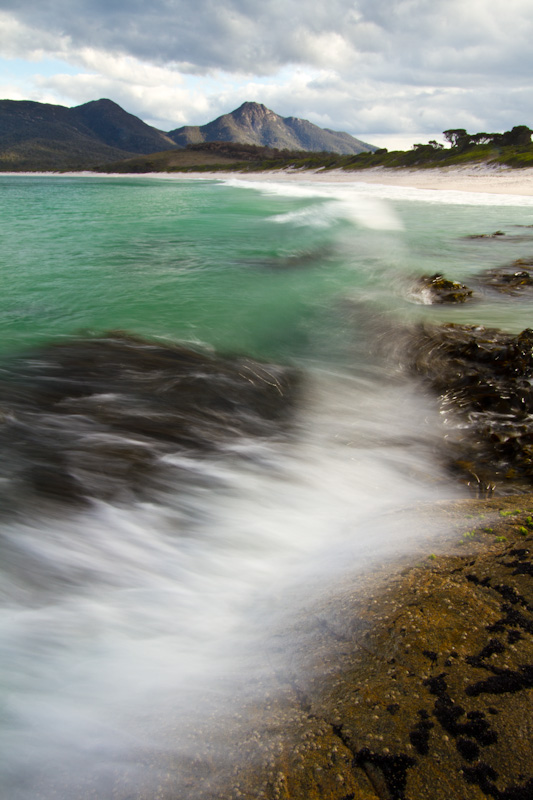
(481, 179)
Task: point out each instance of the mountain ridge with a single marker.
(254, 123)
(113, 125)
(41, 136)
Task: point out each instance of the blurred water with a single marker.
(118, 619)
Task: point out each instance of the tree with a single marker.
(458, 137)
(518, 136)
(483, 138)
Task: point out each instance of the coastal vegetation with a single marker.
(512, 148)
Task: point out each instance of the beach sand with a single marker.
(482, 178)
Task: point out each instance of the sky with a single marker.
(390, 72)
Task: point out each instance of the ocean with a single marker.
(145, 592)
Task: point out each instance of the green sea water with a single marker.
(240, 267)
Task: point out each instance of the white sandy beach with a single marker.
(482, 179)
(485, 179)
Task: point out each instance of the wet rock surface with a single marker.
(418, 683)
(93, 417)
(440, 694)
(494, 235)
(436, 289)
(483, 380)
(514, 279)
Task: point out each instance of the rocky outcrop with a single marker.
(482, 380)
(436, 289)
(494, 235)
(513, 279)
(437, 678)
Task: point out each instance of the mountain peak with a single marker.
(253, 113)
(252, 108)
(114, 126)
(255, 124)
(250, 105)
(103, 104)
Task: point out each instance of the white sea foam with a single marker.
(396, 187)
(340, 202)
(122, 619)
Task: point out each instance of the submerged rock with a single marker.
(511, 279)
(494, 235)
(91, 418)
(434, 289)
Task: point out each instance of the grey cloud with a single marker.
(234, 35)
(389, 64)
(426, 37)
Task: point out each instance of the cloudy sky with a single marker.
(391, 72)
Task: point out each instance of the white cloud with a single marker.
(18, 40)
(161, 105)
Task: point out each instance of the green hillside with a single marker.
(252, 158)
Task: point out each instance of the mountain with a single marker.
(253, 123)
(115, 127)
(40, 136)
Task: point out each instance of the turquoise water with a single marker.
(236, 268)
(119, 618)
(174, 259)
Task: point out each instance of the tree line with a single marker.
(518, 136)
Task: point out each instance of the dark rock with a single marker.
(483, 378)
(386, 769)
(436, 289)
(494, 235)
(419, 736)
(513, 278)
(504, 681)
(468, 749)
